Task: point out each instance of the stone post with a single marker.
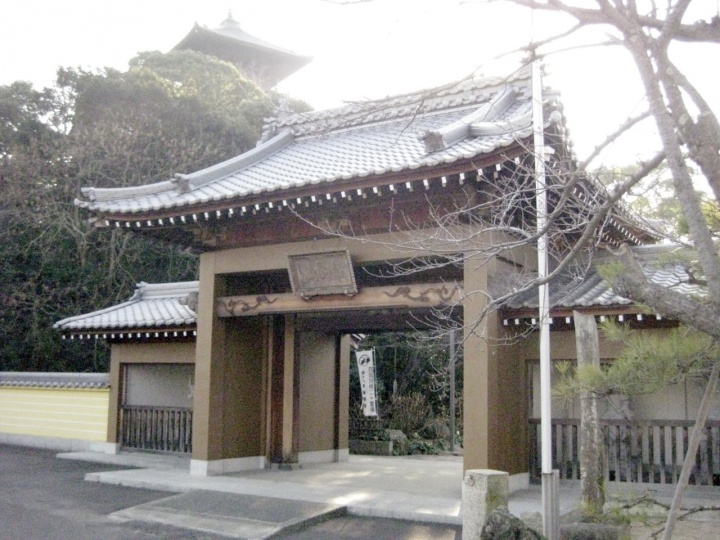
(483, 491)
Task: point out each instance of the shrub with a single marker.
(409, 413)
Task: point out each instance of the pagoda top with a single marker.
(263, 62)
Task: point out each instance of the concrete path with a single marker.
(399, 488)
(415, 488)
(259, 504)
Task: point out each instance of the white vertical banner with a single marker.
(366, 368)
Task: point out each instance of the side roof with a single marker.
(164, 306)
(584, 290)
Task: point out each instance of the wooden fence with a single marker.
(164, 429)
(650, 451)
(367, 423)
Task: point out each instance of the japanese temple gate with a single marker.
(271, 361)
(290, 351)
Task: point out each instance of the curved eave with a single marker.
(162, 332)
(408, 178)
(188, 322)
(187, 182)
(563, 319)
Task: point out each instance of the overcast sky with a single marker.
(360, 51)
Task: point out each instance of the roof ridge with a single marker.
(45, 379)
(109, 194)
(444, 137)
(263, 150)
(166, 290)
(449, 96)
(237, 33)
(143, 292)
(133, 300)
(187, 182)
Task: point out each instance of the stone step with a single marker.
(232, 515)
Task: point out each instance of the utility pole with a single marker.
(549, 477)
(452, 390)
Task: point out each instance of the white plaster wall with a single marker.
(677, 402)
(160, 385)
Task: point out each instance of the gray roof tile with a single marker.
(152, 306)
(591, 290)
(16, 379)
(339, 145)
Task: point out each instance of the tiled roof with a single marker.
(165, 305)
(338, 146)
(591, 290)
(231, 28)
(16, 379)
(234, 38)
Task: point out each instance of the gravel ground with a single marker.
(684, 530)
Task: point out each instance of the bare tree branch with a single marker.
(700, 31)
(611, 138)
(633, 284)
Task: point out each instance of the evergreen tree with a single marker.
(169, 113)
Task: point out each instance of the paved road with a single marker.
(42, 497)
(46, 498)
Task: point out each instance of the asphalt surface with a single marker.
(42, 497)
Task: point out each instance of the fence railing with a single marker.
(647, 451)
(366, 423)
(165, 429)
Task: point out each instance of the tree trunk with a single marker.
(692, 450)
(591, 450)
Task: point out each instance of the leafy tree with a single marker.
(168, 113)
(689, 137)
(689, 134)
(646, 364)
(688, 149)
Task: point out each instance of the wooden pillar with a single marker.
(285, 394)
(116, 395)
(208, 411)
(476, 370)
(291, 394)
(229, 400)
(342, 390)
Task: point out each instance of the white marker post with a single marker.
(549, 477)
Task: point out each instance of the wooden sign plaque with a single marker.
(315, 274)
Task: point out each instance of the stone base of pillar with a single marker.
(285, 466)
(483, 491)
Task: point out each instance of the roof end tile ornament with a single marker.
(446, 136)
(182, 183)
(517, 124)
(93, 194)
